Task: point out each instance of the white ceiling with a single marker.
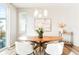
(30, 5)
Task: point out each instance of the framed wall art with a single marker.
(44, 23)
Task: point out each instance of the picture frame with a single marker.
(44, 23)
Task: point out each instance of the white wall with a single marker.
(11, 25)
(68, 14)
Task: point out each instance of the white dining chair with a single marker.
(24, 48)
(54, 48)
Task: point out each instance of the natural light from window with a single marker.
(2, 26)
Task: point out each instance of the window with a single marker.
(2, 26)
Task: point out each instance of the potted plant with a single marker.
(2, 33)
(40, 32)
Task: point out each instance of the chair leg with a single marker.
(33, 53)
(46, 53)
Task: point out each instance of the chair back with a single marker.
(55, 48)
(23, 48)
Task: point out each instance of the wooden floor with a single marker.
(68, 49)
(76, 48)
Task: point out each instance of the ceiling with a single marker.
(30, 5)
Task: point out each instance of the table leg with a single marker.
(40, 50)
(40, 47)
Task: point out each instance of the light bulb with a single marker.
(40, 16)
(45, 13)
(36, 13)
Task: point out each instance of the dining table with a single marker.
(41, 41)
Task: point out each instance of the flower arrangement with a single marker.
(40, 32)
